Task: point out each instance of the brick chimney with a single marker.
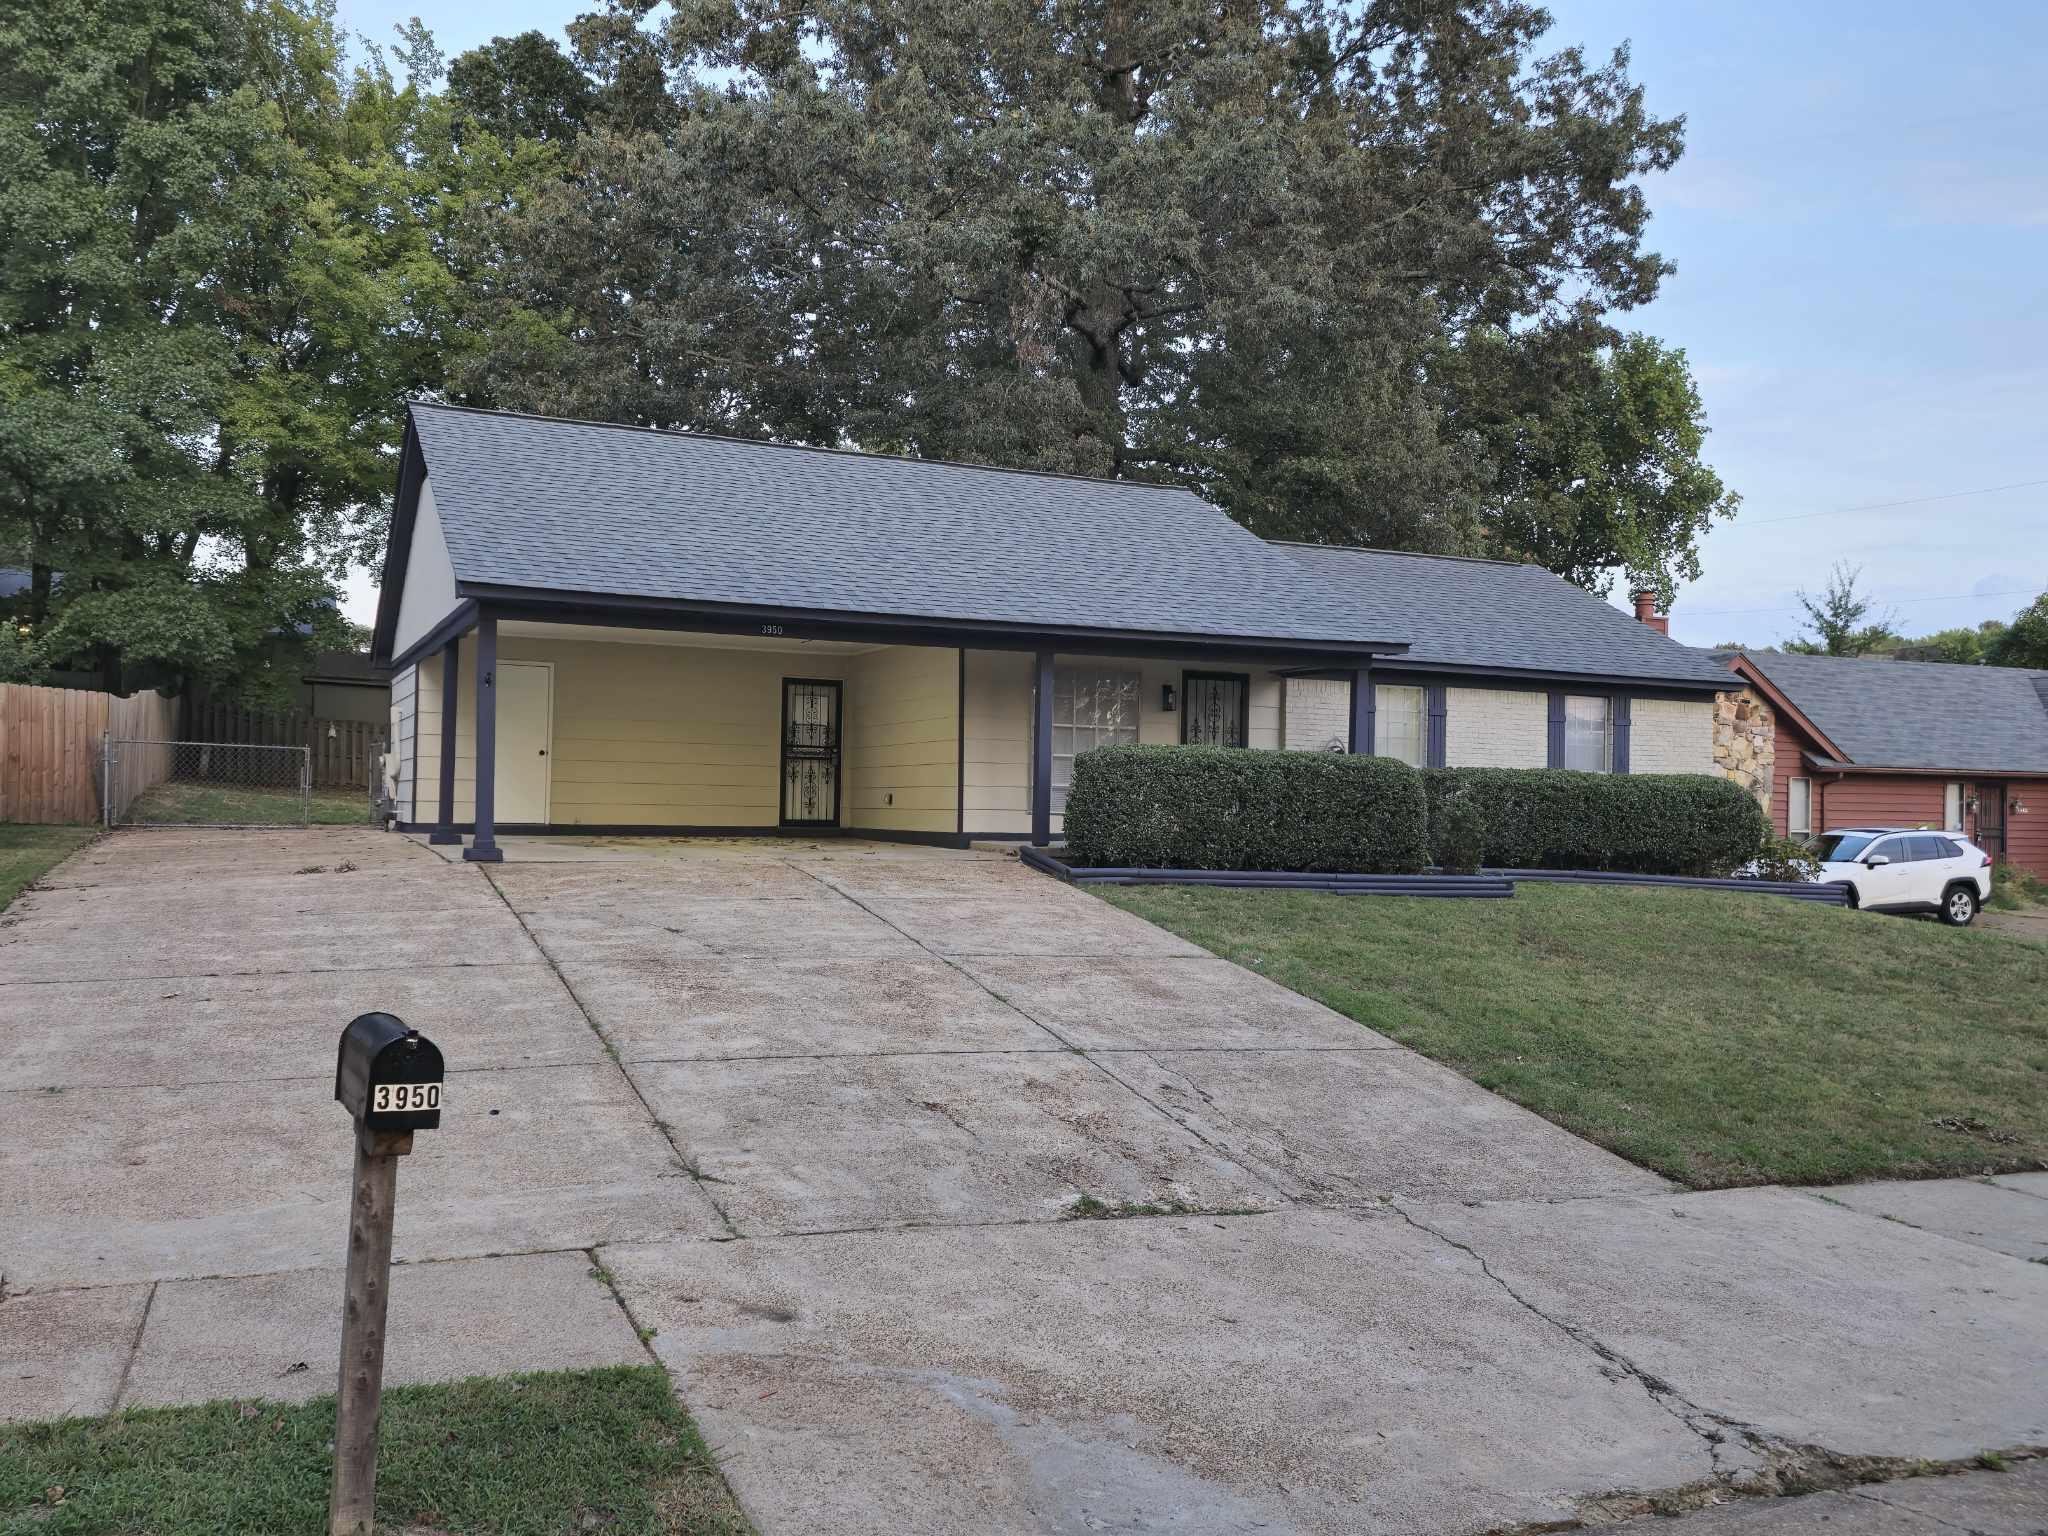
(1646, 612)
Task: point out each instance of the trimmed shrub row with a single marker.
(1647, 824)
(1232, 809)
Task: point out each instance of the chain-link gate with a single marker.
(206, 784)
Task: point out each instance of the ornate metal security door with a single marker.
(810, 752)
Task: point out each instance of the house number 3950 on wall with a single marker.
(771, 629)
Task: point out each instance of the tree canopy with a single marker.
(1352, 272)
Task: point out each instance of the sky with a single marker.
(1860, 228)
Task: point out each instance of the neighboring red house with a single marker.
(1862, 742)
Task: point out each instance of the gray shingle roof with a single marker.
(1919, 714)
(1492, 614)
(569, 506)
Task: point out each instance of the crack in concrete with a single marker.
(1711, 1428)
(134, 1348)
(611, 1052)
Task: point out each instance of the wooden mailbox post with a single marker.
(388, 1078)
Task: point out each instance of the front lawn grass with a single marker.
(568, 1452)
(1720, 1039)
(29, 853)
(186, 801)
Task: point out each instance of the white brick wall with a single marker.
(1318, 712)
(1496, 728)
(1671, 736)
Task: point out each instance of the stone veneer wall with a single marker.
(1745, 741)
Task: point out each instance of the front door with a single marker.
(1991, 820)
(810, 752)
(1215, 708)
(526, 726)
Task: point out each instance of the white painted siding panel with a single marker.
(428, 596)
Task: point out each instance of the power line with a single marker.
(1949, 597)
(1879, 506)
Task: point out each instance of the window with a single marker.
(1944, 849)
(1799, 808)
(1921, 849)
(1843, 847)
(1588, 734)
(1090, 708)
(1214, 708)
(1397, 724)
(1952, 808)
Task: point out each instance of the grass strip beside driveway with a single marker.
(29, 853)
(180, 802)
(1720, 1039)
(559, 1454)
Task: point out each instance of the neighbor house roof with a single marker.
(542, 505)
(1496, 616)
(1921, 715)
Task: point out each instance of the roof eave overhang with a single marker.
(1546, 675)
(412, 474)
(551, 606)
(1820, 764)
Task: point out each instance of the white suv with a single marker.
(1902, 869)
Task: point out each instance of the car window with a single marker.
(1841, 847)
(1893, 848)
(1946, 848)
(1924, 849)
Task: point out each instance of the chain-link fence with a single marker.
(217, 784)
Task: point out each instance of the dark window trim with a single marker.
(1621, 725)
(838, 687)
(1437, 711)
(1553, 750)
(1244, 700)
(960, 732)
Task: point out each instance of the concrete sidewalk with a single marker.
(2013, 1502)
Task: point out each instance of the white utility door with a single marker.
(526, 727)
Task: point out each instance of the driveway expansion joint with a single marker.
(611, 1052)
(134, 1348)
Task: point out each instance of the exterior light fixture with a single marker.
(1168, 699)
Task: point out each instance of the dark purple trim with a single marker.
(412, 474)
(1436, 747)
(1041, 750)
(1364, 712)
(1824, 895)
(1484, 886)
(461, 618)
(960, 733)
(559, 607)
(1624, 716)
(445, 834)
(1553, 751)
(484, 850)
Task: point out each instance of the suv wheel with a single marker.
(1959, 906)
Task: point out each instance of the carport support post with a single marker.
(451, 683)
(352, 1504)
(1362, 721)
(1041, 753)
(483, 848)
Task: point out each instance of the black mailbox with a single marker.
(388, 1076)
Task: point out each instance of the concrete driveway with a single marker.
(823, 1116)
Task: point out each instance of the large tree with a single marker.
(1345, 269)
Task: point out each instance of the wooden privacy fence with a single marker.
(51, 745)
(345, 753)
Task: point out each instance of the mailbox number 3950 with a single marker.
(404, 1098)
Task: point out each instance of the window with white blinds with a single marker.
(1397, 723)
(1588, 734)
(1799, 808)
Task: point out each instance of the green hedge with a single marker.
(1645, 824)
(1235, 808)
